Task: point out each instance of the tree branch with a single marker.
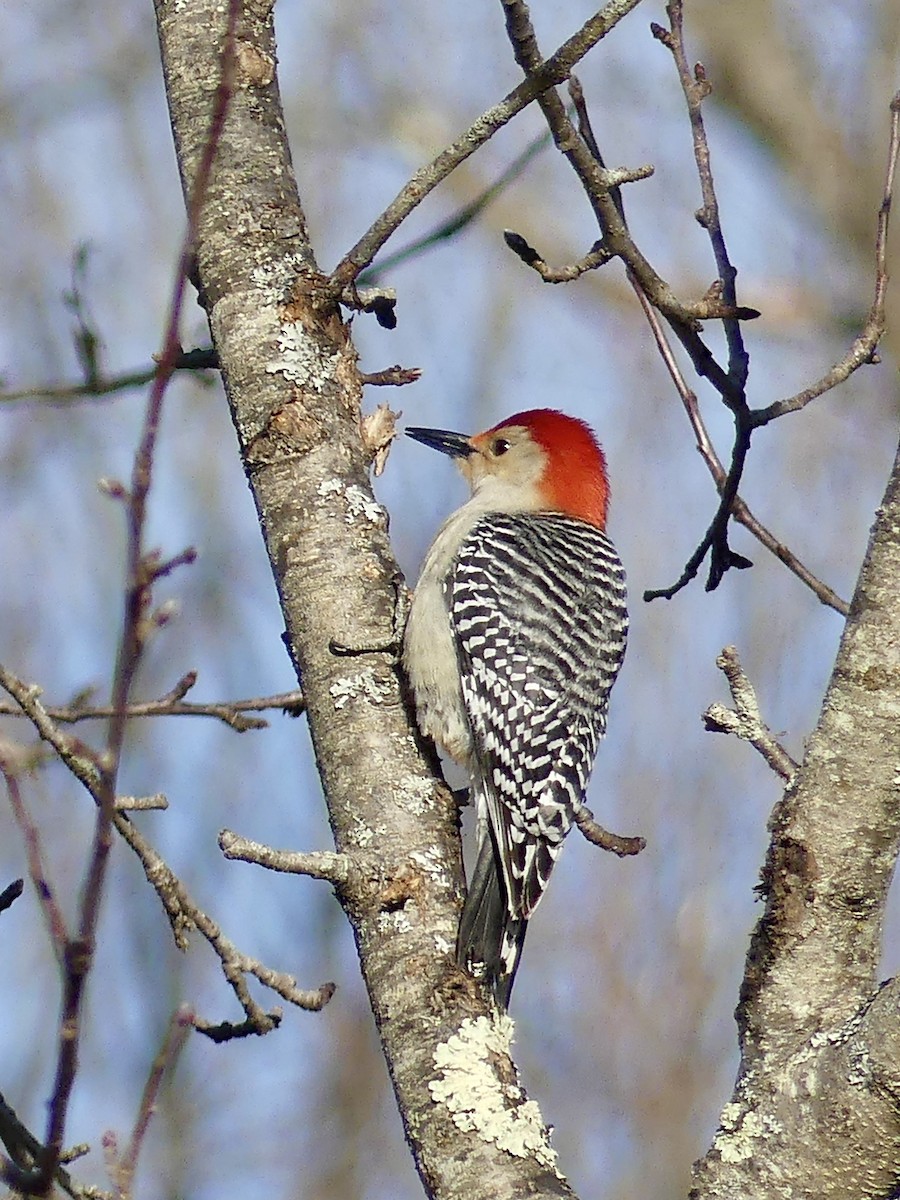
(864, 347)
(745, 719)
(814, 1045)
(555, 70)
(230, 712)
(322, 864)
(291, 377)
(107, 385)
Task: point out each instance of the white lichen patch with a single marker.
(364, 686)
(739, 1131)
(431, 862)
(860, 1074)
(361, 505)
(393, 921)
(468, 1086)
(300, 359)
(329, 487)
(274, 280)
(416, 794)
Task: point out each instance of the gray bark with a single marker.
(816, 1105)
(290, 375)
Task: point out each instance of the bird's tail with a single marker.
(490, 940)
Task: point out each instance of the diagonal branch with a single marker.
(555, 70)
(745, 719)
(864, 347)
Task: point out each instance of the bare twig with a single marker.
(696, 87)
(457, 221)
(322, 864)
(739, 509)
(554, 70)
(864, 347)
(395, 376)
(863, 350)
(598, 836)
(172, 705)
(141, 572)
(602, 189)
(600, 186)
(23, 1149)
(731, 385)
(164, 1063)
(80, 759)
(100, 385)
(235, 967)
(745, 720)
(596, 257)
(11, 893)
(183, 913)
(56, 925)
(155, 803)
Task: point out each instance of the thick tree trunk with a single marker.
(815, 1109)
(290, 374)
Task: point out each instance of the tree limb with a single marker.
(290, 374)
(814, 1110)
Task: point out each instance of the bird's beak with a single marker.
(457, 445)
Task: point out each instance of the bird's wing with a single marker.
(538, 604)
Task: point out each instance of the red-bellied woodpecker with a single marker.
(515, 637)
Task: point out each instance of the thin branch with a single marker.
(235, 967)
(97, 386)
(599, 185)
(602, 190)
(746, 420)
(555, 70)
(598, 836)
(164, 1063)
(458, 221)
(395, 376)
(322, 864)
(731, 385)
(79, 758)
(827, 595)
(596, 257)
(56, 925)
(230, 712)
(23, 1149)
(182, 911)
(11, 893)
(739, 509)
(140, 575)
(864, 347)
(155, 803)
(745, 720)
(696, 87)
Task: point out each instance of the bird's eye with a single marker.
(499, 446)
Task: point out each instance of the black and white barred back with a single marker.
(537, 604)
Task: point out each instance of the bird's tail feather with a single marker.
(490, 940)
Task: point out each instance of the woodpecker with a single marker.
(516, 633)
